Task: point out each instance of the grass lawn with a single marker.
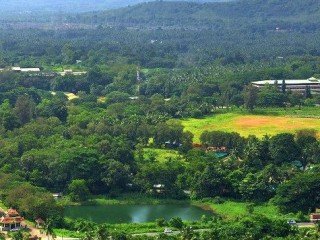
(102, 99)
(71, 96)
(161, 155)
(249, 124)
(233, 209)
(67, 233)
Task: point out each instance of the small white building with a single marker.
(71, 72)
(159, 188)
(57, 195)
(30, 69)
(26, 70)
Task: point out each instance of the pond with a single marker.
(126, 213)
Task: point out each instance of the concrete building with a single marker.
(295, 85)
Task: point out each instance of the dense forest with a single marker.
(287, 15)
(165, 35)
(144, 69)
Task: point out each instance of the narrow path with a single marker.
(169, 234)
(306, 225)
(35, 231)
(66, 238)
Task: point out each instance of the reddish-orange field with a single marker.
(258, 125)
(278, 123)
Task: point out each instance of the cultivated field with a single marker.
(246, 124)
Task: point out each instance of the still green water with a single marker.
(135, 213)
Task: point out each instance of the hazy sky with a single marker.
(70, 5)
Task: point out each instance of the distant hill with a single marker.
(70, 6)
(163, 13)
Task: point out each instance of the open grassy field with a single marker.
(161, 155)
(249, 124)
(232, 210)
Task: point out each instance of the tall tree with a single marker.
(24, 109)
(300, 193)
(78, 190)
(283, 148)
(307, 93)
(283, 86)
(250, 97)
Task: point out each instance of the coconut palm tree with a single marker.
(48, 229)
(89, 235)
(102, 232)
(2, 236)
(17, 236)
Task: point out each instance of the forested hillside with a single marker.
(166, 34)
(287, 14)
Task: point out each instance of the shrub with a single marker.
(176, 222)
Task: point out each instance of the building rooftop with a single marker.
(12, 212)
(19, 69)
(289, 81)
(11, 220)
(30, 69)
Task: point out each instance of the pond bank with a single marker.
(134, 199)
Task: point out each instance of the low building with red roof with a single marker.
(11, 220)
(315, 217)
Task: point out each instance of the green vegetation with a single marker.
(129, 228)
(67, 233)
(194, 14)
(33, 202)
(167, 89)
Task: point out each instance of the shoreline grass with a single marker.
(128, 198)
(231, 209)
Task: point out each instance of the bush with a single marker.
(301, 217)
(218, 200)
(176, 222)
(78, 190)
(161, 222)
(119, 236)
(250, 208)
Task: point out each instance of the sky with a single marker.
(22, 6)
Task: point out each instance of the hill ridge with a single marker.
(166, 13)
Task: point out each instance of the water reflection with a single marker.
(135, 213)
